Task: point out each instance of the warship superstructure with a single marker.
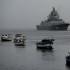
(53, 22)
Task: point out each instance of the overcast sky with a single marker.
(23, 14)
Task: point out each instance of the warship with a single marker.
(53, 22)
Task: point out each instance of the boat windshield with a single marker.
(18, 35)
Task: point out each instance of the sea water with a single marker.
(29, 58)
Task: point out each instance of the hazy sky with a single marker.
(23, 14)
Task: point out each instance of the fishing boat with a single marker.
(45, 44)
(68, 59)
(19, 40)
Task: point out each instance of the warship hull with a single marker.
(53, 27)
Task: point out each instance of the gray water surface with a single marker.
(29, 58)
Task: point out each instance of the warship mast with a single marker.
(53, 15)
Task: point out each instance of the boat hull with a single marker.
(19, 44)
(46, 46)
(4, 40)
(68, 61)
(53, 27)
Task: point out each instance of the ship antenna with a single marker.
(53, 8)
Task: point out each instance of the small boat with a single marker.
(45, 44)
(19, 40)
(68, 59)
(5, 37)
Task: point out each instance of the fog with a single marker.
(26, 14)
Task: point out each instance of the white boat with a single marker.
(5, 37)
